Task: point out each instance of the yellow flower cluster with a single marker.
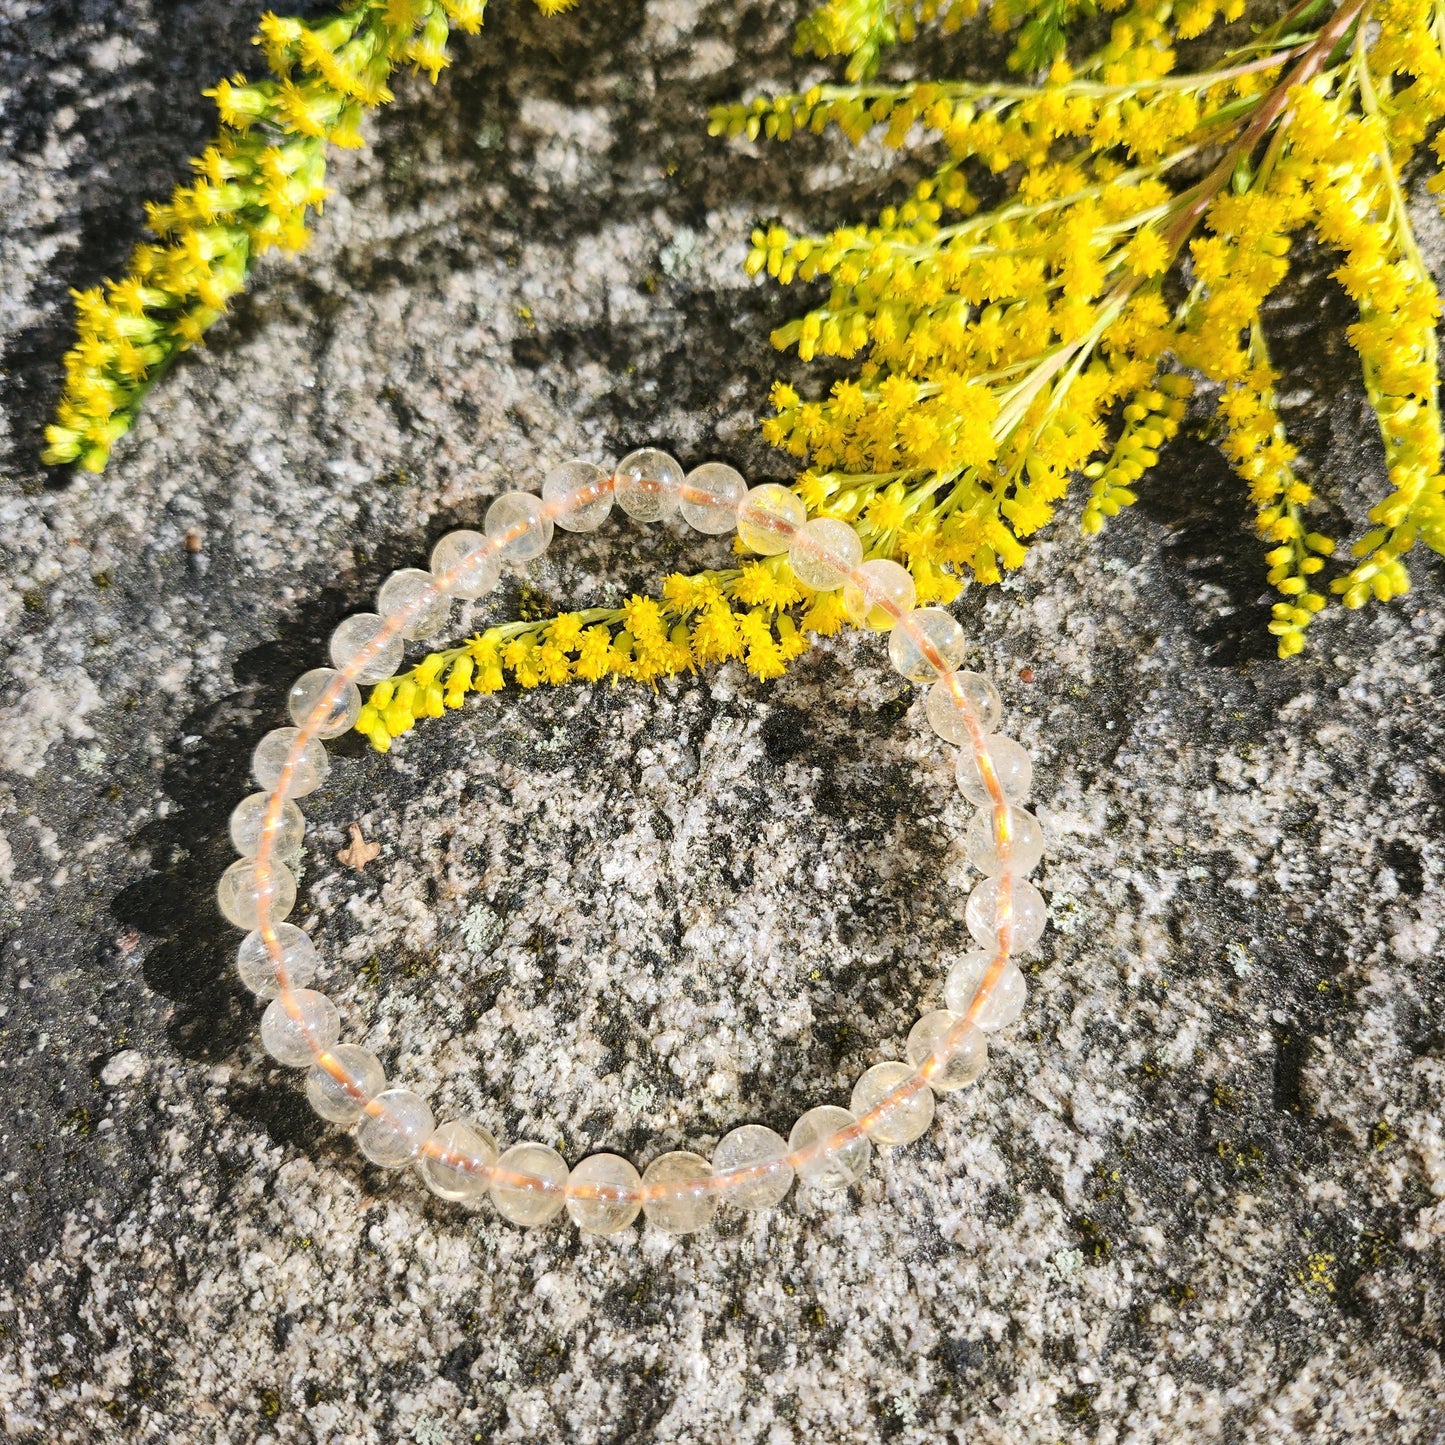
(254, 189)
(758, 615)
(863, 29)
(1002, 351)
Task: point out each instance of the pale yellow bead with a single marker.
(1025, 849)
(393, 1130)
(648, 485)
(950, 704)
(832, 1167)
(965, 1062)
(876, 592)
(456, 1159)
(1005, 1001)
(902, 1120)
(823, 552)
(768, 517)
(537, 1198)
(597, 1194)
(689, 1204)
(287, 833)
(308, 690)
(238, 894)
(928, 633)
(711, 495)
(413, 595)
(579, 495)
(1025, 913)
(342, 1100)
(754, 1146)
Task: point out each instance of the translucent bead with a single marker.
(600, 1210)
(579, 496)
(900, 1122)
(530, 1203)
(393, 1130)
(295, 1028)
(685, 1209)
(886, 589)
(1005, 1001)
(239, 899)
(1028, 912)
(1011, 765)
(1025, 849)
(949, 718)
(411, 587)
(331, 1098)
(823, 552)
(830, 1168)
(941, 632)
(465, 1176)
(307, 774)
(768, 517)
(518, 517)
(968, 1059)
(474, 560)
(308, 690)
(286, 835)
(356, 632)
(258, 973)
(648, 485)
(711, 496)
(752, 1144)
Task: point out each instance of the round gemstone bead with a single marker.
(472, 558)
(768, 517)
(596, 1194)
(966, 1060)
(689, 1204)
(1028, 911)
(833, 1168)
(1025, 847)
(648, 485)
(286, 835)
(901, 1121)
(711, 495)
(257, 971)
(578, 496)
(394, 1128)
(412, 588)
(456, 1161)
(307, 773)
(823, 552)
(1011, 765)
(239, 898)
(877, 592)
(306, 694)
(519, 526)
(330, 1097)
(948, 715)
(1005, 1001)
(750, 1145)
(295, 1028)
(929, 627)
(542, 1195)
(357, 632)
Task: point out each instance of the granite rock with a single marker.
(1199, 1194)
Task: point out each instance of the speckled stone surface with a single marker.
(1200, 1193)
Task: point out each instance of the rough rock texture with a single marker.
(1199, 1195)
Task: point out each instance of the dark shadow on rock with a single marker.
(1199, 501)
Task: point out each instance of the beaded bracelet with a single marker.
(752, 1167)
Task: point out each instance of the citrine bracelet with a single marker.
(752, 1167)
